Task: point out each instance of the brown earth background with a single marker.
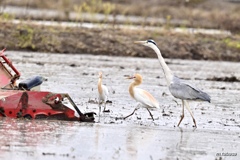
(211, 14)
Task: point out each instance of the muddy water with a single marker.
(138, 137)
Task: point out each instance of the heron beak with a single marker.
(139, 42)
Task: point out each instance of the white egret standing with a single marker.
(102, 94)
(145, 99)
(179, 88)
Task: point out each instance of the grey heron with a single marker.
(179, 88)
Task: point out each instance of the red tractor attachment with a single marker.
(23, 99)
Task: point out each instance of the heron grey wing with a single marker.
(180, 81)
(189, 84)
(200, 94)
(180, 91)
(183, 90)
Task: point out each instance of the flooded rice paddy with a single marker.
(138, 137)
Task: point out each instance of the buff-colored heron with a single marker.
(144, 98)
(102, 94)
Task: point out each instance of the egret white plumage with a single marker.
(102, 94)
(179, 88)
(145, 99)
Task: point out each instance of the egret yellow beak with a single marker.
(130, 77)
(100, 74)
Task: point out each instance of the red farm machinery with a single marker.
(24, 100)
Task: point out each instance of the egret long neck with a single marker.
(131, 87)
(100, 85)
(166, 70)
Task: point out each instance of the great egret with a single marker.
(179, 88)
(102, 94)
(145, 99)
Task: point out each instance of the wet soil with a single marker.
(225, 79)
(117, 42)
(138, 137)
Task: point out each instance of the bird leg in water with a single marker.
(189, 110)
(104, 110)
(182, 116)
(150, 114)
(99, 105)
(131, 113)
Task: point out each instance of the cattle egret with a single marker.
(145, 99)
(102, 94)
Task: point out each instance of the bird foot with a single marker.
(195, 125)
(119, 118)
(108, 101)
(107, 110)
